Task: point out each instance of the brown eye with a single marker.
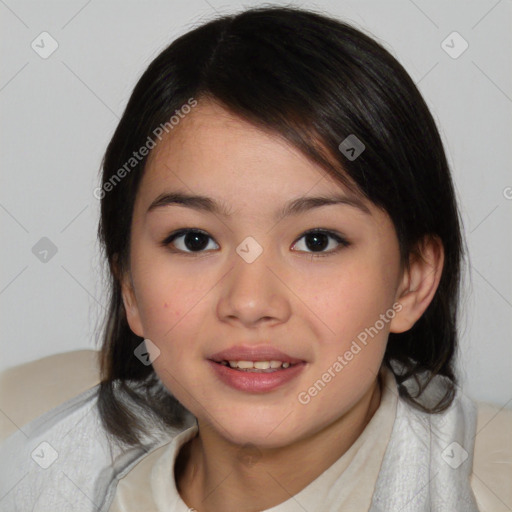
(317, 241)
(188, 240)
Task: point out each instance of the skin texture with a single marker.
(192, 305)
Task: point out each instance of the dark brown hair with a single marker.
(313, 80)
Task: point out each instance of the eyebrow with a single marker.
(293, 207)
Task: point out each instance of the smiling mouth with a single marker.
(257, 366)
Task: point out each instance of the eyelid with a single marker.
(329, 232)
(183, 231)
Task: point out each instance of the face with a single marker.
(251, 277)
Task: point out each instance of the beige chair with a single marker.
(31, 389)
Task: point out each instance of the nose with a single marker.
(254, 293)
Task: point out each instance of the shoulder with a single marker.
(31, 389)
(144, 484)
(492, 462)
(61, 445)
(134, 490)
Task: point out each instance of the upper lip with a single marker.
(253, 353)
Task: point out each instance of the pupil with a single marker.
(195, 241)
(317, 244)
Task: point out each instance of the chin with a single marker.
(265, 435)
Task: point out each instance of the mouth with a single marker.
(256, 376)
(259, 357)
(257, 366)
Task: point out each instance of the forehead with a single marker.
(215, 140)
(216, 153)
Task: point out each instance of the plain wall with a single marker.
(58, 114)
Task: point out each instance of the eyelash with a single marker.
(338, 238)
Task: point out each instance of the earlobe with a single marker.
(419, 283)
(130, 305)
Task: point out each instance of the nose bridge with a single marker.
(253, 290)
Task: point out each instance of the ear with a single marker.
(419, 283)
(129, 300)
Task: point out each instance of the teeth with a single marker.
(258, 365)
(262, 365)
(243, 364)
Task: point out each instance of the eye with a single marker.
(317, 240)
(196, 241)
(190, 240)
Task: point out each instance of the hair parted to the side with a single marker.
(313, 80)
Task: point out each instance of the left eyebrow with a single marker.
(304, 204)
(293, 207)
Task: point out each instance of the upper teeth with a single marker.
(260, 365)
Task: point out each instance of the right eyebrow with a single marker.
(196, 202)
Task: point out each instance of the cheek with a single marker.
(358, 311)
(351, 300)
(355, 316)
(172, 314)
(163, 297)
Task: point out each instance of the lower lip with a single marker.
(253, 382)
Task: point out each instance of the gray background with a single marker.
(58, 114)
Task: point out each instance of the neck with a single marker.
(213, 475)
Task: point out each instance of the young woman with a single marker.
(284, 244)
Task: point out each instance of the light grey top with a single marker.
(64, 460)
